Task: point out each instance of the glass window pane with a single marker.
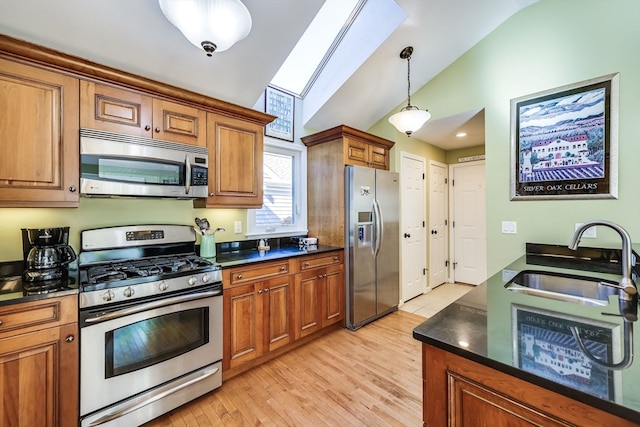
(277, 208)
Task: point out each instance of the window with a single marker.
(283, 212)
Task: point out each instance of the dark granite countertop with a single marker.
(249, 256)
(501, 329)
(12, 289)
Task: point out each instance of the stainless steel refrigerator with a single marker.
(372, 244)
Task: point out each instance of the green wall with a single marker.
(549, 44)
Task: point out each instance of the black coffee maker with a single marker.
(46, 256)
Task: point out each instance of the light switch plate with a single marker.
(237, 227)
(589, 233)
(509, 227)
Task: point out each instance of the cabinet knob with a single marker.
(283, 268)
(335, 258)
(73, 189)
(211, 194)
(306, 264)
(147, 127)
(239, 276)
(266, 290)
(70, 338)
(260, 291)
(0, 322)
(158, 130)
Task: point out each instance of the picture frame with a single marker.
(544, 345)
(280, 104)
(564, 142)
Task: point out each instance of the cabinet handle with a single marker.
(147, 127)
(157, 130)
(73, 189)
(239, 276)
(70, 338)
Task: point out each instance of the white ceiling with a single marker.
(134, 36)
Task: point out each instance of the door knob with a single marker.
(434, 231)
(407, 235)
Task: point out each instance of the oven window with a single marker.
(155, 340)
(134, 171)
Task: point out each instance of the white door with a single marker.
(412, 228)
(438, 229)
(468, 225)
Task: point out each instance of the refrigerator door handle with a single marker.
(377, 214)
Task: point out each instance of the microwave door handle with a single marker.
(187, 171)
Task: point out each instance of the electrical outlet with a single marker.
(589, 233)
(237, 227)
(509, 227)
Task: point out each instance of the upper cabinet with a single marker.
(118, 110)
(354, 146)
(39, 137)
(236, 157)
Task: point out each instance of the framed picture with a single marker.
(564, 142)
(544, 345)
(279, 104)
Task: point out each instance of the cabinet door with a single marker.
(333, 305)
(39, 377)
(115, 110)
(245, 324)
(277, 295)
(378, 157)
(308, 315)
(39, 137)
(179, 123)
(236, 156)
(356, 152)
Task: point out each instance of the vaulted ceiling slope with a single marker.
(134, 36)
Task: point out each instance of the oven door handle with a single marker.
(151, 305)
(128, 409)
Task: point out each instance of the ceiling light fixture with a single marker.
(213, 25)
(410, 118)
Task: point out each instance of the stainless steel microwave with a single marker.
(113, 165)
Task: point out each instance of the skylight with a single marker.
(316, 45)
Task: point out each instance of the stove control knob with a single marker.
(128, 292)
(206, 278)
(163, 286)
(192, 280)
(108, 296)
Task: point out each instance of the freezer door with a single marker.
(360, 262)
(388, 239)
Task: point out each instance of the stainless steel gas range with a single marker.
(150, 323)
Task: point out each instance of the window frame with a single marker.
(299, 154)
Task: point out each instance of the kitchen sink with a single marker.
(576, 289)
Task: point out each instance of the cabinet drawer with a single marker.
(307, 263)
(33, 316)
(258, 272)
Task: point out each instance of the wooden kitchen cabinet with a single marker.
(118, 110)
(327, 154)
(39, 137)
(319, 293)
(39, 363)
(236, 157)
(258, 311)
(458, 392)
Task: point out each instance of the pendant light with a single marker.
(213, 25)
(410, 118)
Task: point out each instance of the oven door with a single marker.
(129, 349)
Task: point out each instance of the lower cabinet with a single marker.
(39, 363)
(459, 392)
(260, 318)
(268, 306)
(319, 299)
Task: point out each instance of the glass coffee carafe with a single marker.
(46, 254)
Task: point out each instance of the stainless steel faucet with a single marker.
(626, 282)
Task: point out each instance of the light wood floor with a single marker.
(371, 377)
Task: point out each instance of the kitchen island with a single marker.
(496, 357)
